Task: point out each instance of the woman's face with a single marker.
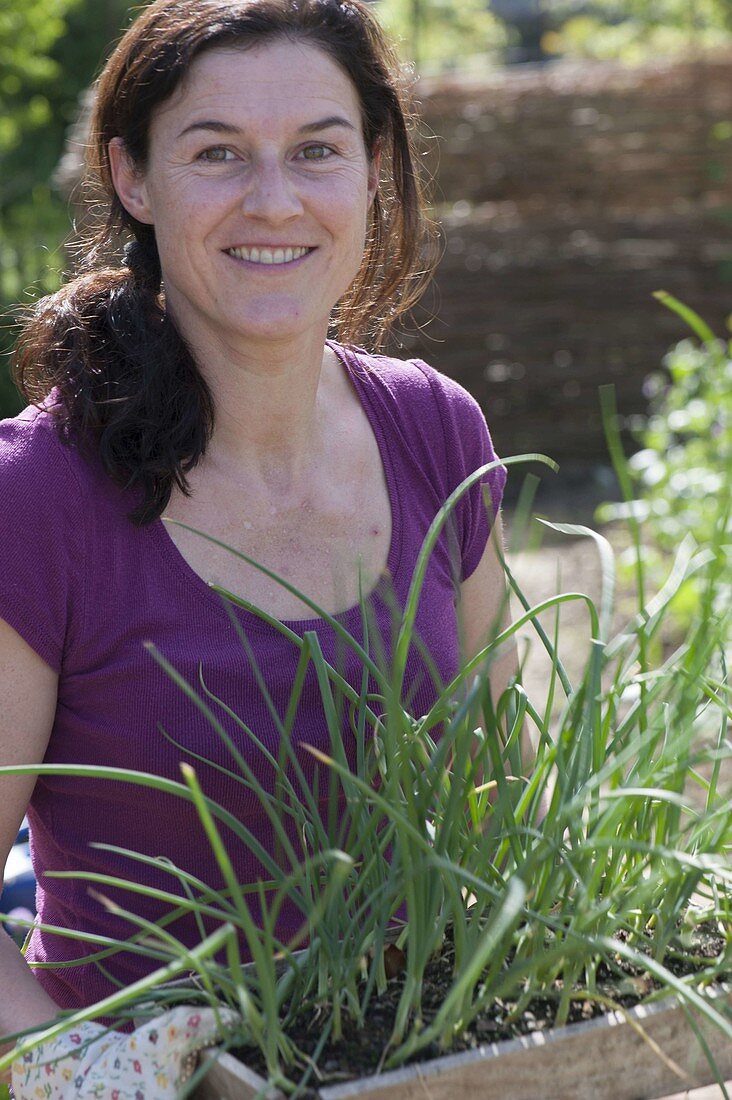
(258, 184)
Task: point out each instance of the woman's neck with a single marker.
(271, 411)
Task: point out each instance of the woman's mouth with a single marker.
(269, 255)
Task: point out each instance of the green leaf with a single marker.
(693, 320)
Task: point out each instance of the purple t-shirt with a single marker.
(87, 589)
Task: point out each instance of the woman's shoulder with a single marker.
(419, 392)
(35, 454)
(408, 379)
(388, 370)
(43, 548)
(442, 422)
(45, 470)
(31, 443)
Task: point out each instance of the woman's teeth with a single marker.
(268, 255)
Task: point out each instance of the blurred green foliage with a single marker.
(686, 463)
(636, 30)
(683, 473)
(442, 33)
(49, 53)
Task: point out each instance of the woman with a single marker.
(255, 156)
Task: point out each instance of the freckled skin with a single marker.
(320, 549)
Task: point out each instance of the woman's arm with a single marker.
(483, 612)
(28, 688)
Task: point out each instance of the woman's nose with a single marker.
(270, 193)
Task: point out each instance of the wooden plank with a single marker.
(229, 1079)
(602, 1059)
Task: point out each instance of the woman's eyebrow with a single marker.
(325, 124)
(220, 127)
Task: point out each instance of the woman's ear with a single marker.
(374, 168)
(129, 183)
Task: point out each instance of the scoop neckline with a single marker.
(385, 584)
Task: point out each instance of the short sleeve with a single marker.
(468, 446)
(42, 541)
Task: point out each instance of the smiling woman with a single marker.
(256, 164)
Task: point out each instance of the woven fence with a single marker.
(568, 195)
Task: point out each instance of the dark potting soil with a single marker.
(362, 1050)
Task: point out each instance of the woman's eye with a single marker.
(216, 154)
(317, 152)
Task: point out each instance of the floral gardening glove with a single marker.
(92, 1063)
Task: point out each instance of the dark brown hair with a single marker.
(122, 374)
